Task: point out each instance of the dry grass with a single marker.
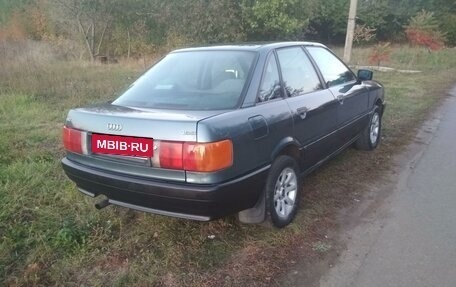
(406, 57)
(51, 235)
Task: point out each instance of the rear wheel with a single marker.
(371, 135)
(282, 191)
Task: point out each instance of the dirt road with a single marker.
(410, 238)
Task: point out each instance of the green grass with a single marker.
(405, 57)
(51, 235)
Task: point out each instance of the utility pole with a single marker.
(350, 30)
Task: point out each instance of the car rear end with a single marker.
(143, 151)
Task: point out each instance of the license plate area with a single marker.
(122, 145)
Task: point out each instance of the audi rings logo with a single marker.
(114, 127)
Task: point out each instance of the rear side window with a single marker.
(196, 80)
(333, 70)
(299, 76)
(270, 85)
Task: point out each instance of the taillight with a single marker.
(208, 156)
(204, 157)
(72, 140)
(171, 155)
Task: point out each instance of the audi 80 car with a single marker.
(213, 131)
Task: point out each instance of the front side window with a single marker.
(194, 80)
(270, 85)
(299, 76)
(333, 70)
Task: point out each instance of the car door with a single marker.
(314, 109)
(352, 96)
(268, 119)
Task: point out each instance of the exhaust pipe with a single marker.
(102, 204)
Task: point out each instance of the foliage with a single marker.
(9, 7)
(423, 30)
(274, 19)
(328, 21)
(363, 34)
(390, 16)
(202, 21)
(134, 28)
(448, 24)
(376, 14)
(380, 53)
(14, 30)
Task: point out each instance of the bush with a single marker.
(363, 34)
(380, 53)
(448, 24)
(423, 30)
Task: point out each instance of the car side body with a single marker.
(296, 100)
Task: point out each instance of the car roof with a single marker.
(259, 47)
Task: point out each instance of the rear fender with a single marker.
(257, 213)
(287, 146)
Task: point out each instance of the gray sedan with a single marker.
(213, 131)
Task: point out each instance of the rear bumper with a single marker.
(191, 201)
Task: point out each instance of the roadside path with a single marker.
(410, 241)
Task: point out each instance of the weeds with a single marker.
(321, 247)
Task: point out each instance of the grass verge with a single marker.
(52, 235)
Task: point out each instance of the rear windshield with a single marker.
(197, 80)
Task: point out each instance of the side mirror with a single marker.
(365, 75)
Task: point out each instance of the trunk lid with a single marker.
(173, 125)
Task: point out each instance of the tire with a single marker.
(370, 137)
(282, 191)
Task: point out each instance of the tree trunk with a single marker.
(92, 40)
(101, 39)
(129, 44)
(86, 38)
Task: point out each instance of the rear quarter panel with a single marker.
(253, 143)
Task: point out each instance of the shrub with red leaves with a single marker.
(423, 30)
(424, 38)
(380, 53)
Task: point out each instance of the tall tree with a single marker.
(90, 19)
(139, 26)
(275, 19)
(329, 21)
(206, 21)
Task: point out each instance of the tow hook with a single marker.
(102, 204)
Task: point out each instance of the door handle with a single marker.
(341, 98)
(302, 112)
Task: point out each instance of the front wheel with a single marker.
(371, 135)
(282, 191)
